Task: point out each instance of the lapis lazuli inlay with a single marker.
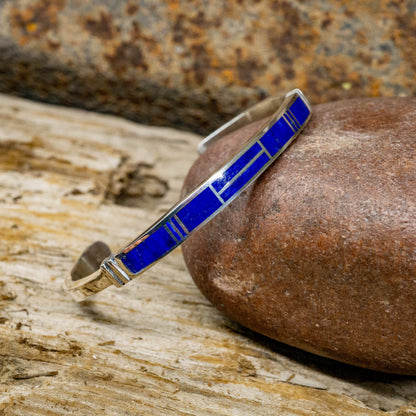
(197, 210)
(148, 251)
(174, 230)
(300, 110)
(270, 143)
(178, 226)
(236, 167)
(245, 176)
(218, 192)
(282, 131)
(291, 121)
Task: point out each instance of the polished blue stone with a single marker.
(270, 142)
(178, 226)
(300, 110)
(291, 121)
(148, 251)
(245, 177)
(282, 131)
(173, 231)
(196, 211)
(236, 167)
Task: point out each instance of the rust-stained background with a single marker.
(193, 64)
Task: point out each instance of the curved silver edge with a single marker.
(86, 281)
(260, 110)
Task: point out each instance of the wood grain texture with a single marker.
(156, 346)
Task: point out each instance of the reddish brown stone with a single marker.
(320, 253)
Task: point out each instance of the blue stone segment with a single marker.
(178, 226)
(291, 121)
(282, 131)
(199, 209)
(300, 110)
(245, 177)
(270, 142)
(173, 231)
(236, 167)
(148, 251)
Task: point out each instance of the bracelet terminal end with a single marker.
(87, 276)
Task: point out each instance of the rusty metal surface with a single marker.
(193, 64)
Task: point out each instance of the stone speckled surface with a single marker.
(193, 64)
(320, 253)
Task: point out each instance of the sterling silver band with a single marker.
(98, 268)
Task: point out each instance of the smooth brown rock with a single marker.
(320, 253)
(192, 64)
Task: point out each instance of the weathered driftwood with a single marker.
(156, 346)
